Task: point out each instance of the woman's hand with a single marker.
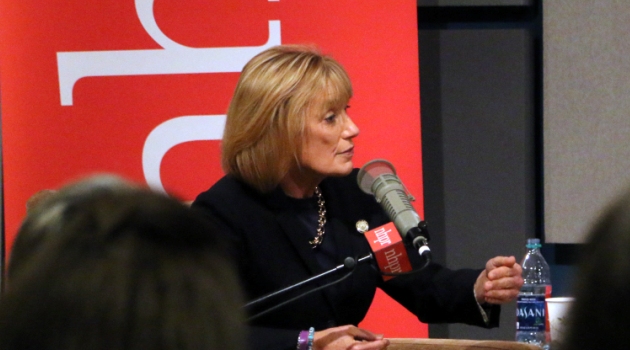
(348, 337)
(500, 282)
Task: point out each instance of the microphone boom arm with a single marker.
(349, 263)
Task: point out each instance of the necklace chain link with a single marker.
(321, 220)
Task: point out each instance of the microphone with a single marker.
(378, 178)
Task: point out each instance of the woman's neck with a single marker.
(298, 184)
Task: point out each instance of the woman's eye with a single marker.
(331, 118)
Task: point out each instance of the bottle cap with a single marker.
(533, 243)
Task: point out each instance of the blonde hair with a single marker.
(265, 122)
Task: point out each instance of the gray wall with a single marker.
(586, 108)
(478, 100)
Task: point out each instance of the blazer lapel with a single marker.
(293, 229)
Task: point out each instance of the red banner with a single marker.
(141, 88)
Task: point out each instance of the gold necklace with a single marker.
(321, 220)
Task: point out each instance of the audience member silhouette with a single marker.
(102, 264)
(600, 315)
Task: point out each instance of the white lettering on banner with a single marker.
(382, 236)
(393, 264)
(174, 58)
(171, 133)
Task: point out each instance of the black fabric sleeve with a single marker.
(259, 338)
(262, 338)
(441, 295)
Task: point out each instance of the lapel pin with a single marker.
(362, 226)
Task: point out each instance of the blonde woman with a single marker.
(290, 202)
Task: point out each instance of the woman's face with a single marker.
(328, 147)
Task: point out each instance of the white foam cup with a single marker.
(558, 308)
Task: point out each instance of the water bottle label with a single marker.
(530, 313)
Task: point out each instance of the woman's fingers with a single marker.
(348, 337)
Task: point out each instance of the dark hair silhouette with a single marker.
(104, 265)
(600, 316)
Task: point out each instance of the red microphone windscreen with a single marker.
(389, 250)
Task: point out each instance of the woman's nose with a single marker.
(351, 130)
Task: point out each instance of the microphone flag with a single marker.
(389, 250)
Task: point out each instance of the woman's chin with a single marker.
(343, 171)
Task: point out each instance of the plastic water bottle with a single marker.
(532, 321)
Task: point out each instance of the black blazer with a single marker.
(269, 243)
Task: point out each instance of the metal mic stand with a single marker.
(349, 263)
(419, 237)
